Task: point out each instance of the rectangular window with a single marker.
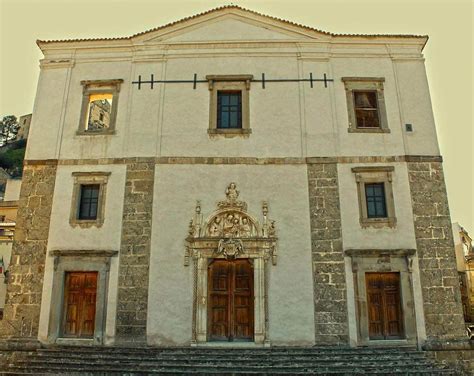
(229, 109)
(375, 197)
(366, 109)
(99, 106)
(89, 201)
(229, 105)
(366, 104)
(375, 194)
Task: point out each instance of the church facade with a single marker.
(228, 178)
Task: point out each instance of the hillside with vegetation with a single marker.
(12, 152)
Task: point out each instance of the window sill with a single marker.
(378, 222)
(86, 223)
(229, 132)
(96, 133)
(368, 130)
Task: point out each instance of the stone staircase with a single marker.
(223, 361)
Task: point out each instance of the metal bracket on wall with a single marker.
(263, 80)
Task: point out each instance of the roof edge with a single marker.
(42, 43)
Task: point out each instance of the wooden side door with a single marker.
(230, 296)
(384, 306)
(80, 294)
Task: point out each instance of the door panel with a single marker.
(384, 306)
(230, 310)
(80, 295)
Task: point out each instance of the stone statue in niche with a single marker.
(216, 227)
(245, 229)
(232, 193)
(229, 225)
(232, 201)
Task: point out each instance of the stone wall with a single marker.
(135, 252)
(435, 247)
(26, 270)
(328, 259)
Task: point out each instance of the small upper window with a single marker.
(99, 106)
(375, 197)
(89, 201)
(229, 112)
(366, 104)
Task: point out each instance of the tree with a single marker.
(8, 129)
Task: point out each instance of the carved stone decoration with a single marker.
(230, 248)
(230, 232)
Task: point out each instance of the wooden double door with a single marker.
(230, 301)
(384, 306)
(80, 293)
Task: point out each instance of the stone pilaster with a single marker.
(26, 270)
(132, 302)
(327, 254)
(435, 247)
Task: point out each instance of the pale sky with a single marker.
(449, 53)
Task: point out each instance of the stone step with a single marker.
(124, 370)
(227, 366)
(309, 352)
(233, 363)
(224, 361)
(223, 357)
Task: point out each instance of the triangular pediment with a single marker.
(229, 24)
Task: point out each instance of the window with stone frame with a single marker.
(366, 104)
(99, 106)
(375, 194)
(88, 199)
(229, 105)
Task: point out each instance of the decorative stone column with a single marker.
(26, 270)
(435, 247)
(134, 255)
(330, 302)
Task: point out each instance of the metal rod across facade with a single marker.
(263, 80)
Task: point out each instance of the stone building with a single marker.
(8, 212)
(465, 267)
(258, 181)
(24, 127)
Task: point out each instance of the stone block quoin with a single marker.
(135, 252)
(26, 270)
(435, 247)
(330, 300)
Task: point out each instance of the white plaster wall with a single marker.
(177, 187)
(64, 237)
(274, 111)
(47, 111)
(416, 108)
(287, 119)
(356, 237)
(12, 190)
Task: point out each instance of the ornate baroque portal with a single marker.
(230, 233)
